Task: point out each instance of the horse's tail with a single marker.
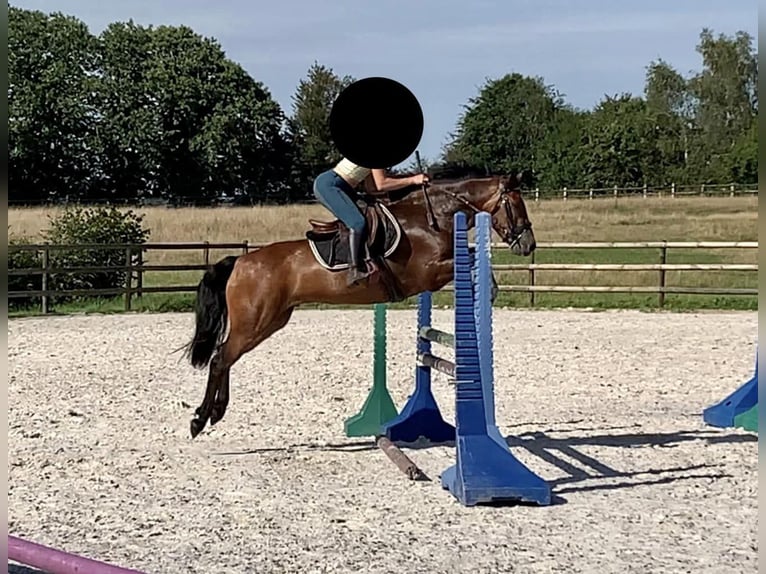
(211, 313)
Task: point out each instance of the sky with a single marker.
(442, 50)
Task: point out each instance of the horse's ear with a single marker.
(515, 180)
(522, 177)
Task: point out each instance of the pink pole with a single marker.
(57, 561)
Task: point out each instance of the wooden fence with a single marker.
(135, 269)
(645, 191)
(671, 190)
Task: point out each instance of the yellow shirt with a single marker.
(352, 173)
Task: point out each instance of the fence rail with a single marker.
(134, 268)
(670, 190)
(645, 191)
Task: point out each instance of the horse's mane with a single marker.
(457, 172)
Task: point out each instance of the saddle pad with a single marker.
(332, 252)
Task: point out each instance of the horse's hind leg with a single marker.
(243, 337)
(232, 353)
(216, 373)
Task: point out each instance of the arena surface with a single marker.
(606, 405)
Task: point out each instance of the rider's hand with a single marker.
(420, 179)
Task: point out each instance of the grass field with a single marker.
(624, 219)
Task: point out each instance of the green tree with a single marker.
(219, 130)
(620, 143)
(727, 101)
(670, 106)
(561, 161)
(52, 113)
(743, 157)
(309, 124)
(131, 130)
(501, 128)
(137, 112)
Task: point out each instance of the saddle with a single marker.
(329, 239)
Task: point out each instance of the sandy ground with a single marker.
(606, 405)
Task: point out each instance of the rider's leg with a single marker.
(330, 190)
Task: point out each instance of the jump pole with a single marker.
(379, 407)
(53, 561)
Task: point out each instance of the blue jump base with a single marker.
(723, 413)
(485, 470)
(420, 417)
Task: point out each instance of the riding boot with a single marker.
(357, 268)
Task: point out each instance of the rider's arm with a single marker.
(383, 183)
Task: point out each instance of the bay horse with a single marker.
(254, 295)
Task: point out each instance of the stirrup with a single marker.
(355, 275)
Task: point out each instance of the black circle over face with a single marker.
(376, 122)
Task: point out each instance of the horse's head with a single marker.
(510, 219)
(498, 195)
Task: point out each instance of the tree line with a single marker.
(143, 113)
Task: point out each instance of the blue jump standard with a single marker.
(420, 416)
(485, 470)
(722, 414)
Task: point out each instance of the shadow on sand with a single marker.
(581, 467)
(562, 451)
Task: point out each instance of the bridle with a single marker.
(511, 234)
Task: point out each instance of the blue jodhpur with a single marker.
(335, 194)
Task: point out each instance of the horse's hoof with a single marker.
(217, 414)
(196, 427)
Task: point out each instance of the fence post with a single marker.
(44, 285)
(140, 273)
(673, 190)
(206, 251)
(663, 260)
(245, 247)
(731, 190)
(532, 282)
(590, 193)
(128, 276)
(565, 194)
(537, 194)
(615, 192)
(644, 191)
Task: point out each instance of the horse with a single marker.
(409, 237)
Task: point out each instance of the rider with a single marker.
(335, 189)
